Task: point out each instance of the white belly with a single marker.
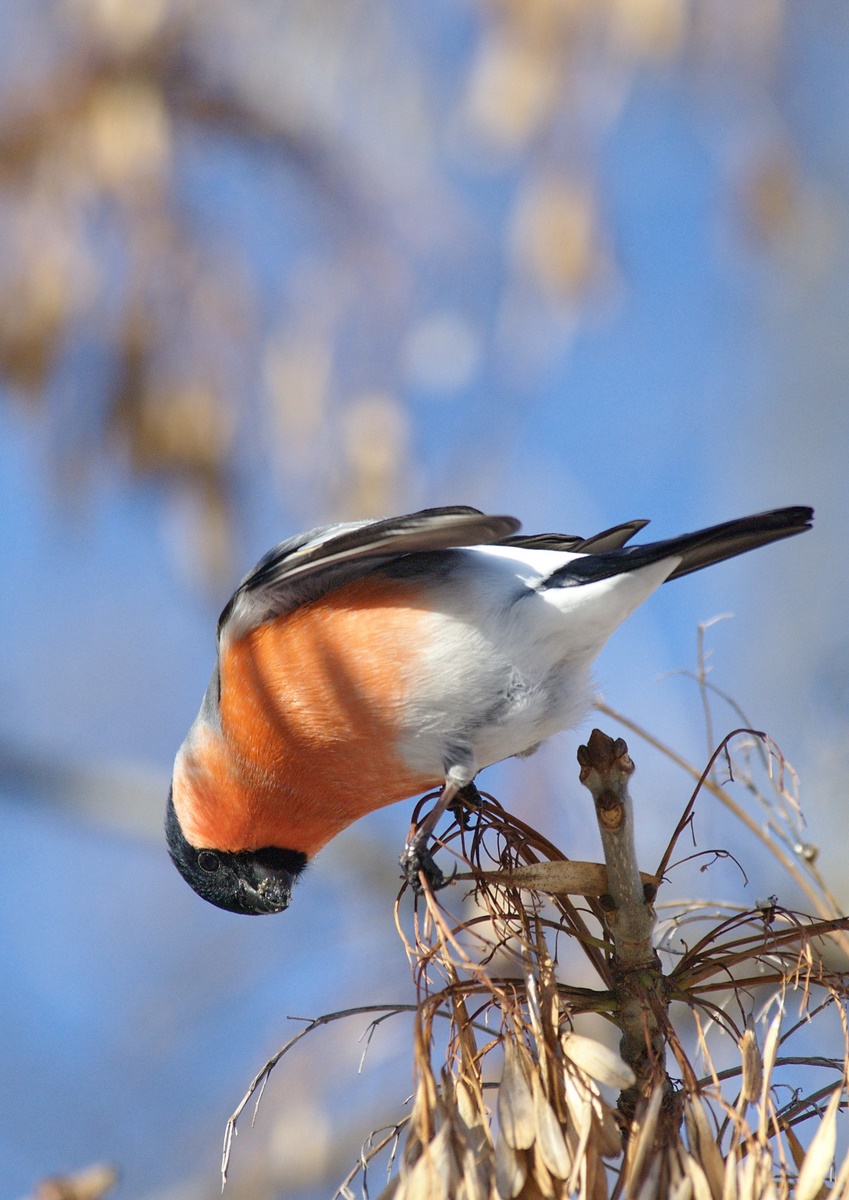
(507, 666)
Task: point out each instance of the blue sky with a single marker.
(711, 383)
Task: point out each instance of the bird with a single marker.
(365, 663)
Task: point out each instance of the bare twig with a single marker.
(638, 983)
(261, 1078)
(823, 904)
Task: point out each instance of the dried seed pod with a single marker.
(753, 1068)
(477, 1173)
(473, 1143)
(511, 1169)
(515, 1101)
(703, 1145)
(595, 1174)
(643, 1136)
(540, 1176)
(701, 1188)
(550, 1143)
(472, 1118)
(599, 1061)
(820, 1154)
(436, 1174)
(770, 1053)
(650, 1188)
(609, 1136)
(580, 1106)
(585, 1104)
(729, 1181)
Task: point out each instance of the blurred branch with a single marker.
(86, 790)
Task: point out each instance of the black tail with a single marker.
(697, 550)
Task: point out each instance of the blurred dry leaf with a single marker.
(512, 90)
(128, 236)
(376, 431)
(128, 137)
(298, 374)
(773, 197)
(121, 26)
(90, 1184)
(652, 29)
(747, 36)
(556, 236)
(792, 216)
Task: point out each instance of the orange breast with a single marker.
(312, 709)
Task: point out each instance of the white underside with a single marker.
(507, 666)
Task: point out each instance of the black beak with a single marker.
(269, 890)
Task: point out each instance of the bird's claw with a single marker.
(416, 859)
(468, 798)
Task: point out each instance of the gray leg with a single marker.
(416, 856)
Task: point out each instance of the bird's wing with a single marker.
(609, 539)
(305, 567)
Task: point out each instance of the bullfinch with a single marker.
(365, 663)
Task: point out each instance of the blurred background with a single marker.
(265, 265)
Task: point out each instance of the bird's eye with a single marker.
(209, 862)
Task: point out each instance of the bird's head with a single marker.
(250, 881)
(253, 880)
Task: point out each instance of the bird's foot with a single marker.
(468, 798)
(418, 859)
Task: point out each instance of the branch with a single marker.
(638, 983)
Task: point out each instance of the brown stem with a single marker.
(638, 983)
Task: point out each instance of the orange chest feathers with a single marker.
(313, 706)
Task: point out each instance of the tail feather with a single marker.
(696, 550)
(608, 539)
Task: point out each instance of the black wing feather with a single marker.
(288, 575)
(608, 539)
